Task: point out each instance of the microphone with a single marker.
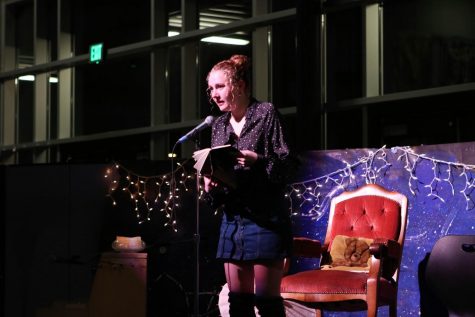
(203, 125)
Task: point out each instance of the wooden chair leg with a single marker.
(372, 309)
(318, 313)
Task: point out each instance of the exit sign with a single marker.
(96, 53)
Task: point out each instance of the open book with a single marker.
(217, 162)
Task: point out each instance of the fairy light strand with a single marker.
(308, 192)
(308, 198)
(437, 180)
(149, 193)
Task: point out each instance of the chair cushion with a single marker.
(325, 282)
(332, 282)
(349, 253)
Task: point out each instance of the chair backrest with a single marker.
(370, 211)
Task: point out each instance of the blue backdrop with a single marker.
(438, 181)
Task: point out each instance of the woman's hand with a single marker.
(247, 158)
(209, 183)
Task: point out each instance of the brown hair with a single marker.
(236, 68)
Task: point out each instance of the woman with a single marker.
(255, 234)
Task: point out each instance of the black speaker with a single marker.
(450, 273)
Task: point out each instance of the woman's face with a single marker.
(220, 91)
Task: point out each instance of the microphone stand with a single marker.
(196, 237)
(197, 241)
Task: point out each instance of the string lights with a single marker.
(308, 198)
(443, 173)
(308, 194)
(148, 193)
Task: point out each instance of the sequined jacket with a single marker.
(260, 188)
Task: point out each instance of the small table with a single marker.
(120, 286)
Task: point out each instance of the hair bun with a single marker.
(235, 68)
(241, 61)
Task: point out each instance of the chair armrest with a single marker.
(306, 247)
(387, 254)
(385, 248)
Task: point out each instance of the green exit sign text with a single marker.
(96, 53)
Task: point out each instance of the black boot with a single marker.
(270, 306)
(241, 304)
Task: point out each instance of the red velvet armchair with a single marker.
(370, 212)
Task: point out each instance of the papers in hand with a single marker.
(217, 162)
